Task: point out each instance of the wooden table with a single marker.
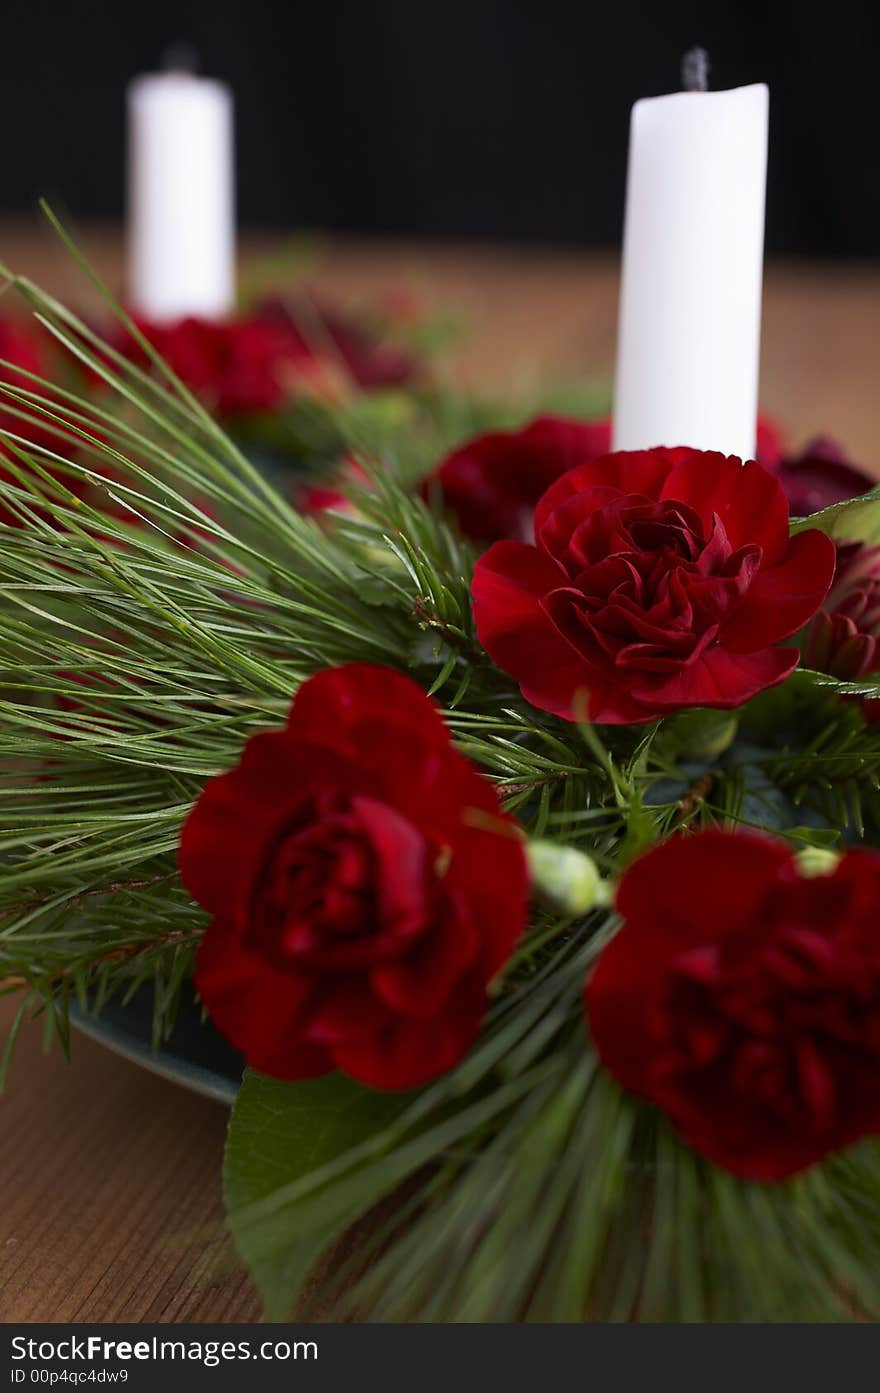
(110, 1177)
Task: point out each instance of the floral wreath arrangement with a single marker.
(515, 816)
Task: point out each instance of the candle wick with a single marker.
(695, 68)
(180, 58)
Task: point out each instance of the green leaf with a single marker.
(279, 1133)
(823, 837)
(854, 520)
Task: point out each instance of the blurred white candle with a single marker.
(690, 309)
(181, 213)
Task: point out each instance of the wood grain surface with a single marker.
(109, 1176)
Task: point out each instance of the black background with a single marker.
(481, 119)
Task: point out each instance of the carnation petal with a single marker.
(719, 679)
(750, 502)
(384, 723)
(626, 471)
(782, 598)
(334, 705)
(509, 581)
(408, 1053)
(223, 838)
(257, 1006)
(419, 984)
(617, 1003)
(492, 483)
(678, 885)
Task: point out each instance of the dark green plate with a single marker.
(195, 1056)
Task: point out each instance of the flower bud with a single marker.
(844, 637)
(816, 861)
(566, 878)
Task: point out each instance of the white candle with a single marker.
(181, 215)
(690, 308)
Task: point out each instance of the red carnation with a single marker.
(364, 884)
(744, 999)
(660, 579)
(23, 350)
(844, 637)
(492, 483)
(820, 475)
(26, 351)
(317, 331)
(318, 498)
(234, 366)
(18, 348)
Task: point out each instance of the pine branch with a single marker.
(159, 603)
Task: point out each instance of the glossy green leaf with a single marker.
(280, 1133)
(854, 520)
